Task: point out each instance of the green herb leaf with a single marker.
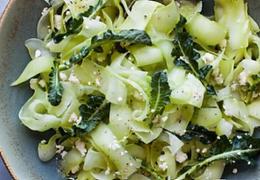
(199, 133)
(184, 47)
(55, 87)
(211, 90)
(93, 112)
(186, 55)
(125, 37)
(203, 72)
(73, 25)
(241, 147)
(160, 94)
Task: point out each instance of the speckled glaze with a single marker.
(18, 144)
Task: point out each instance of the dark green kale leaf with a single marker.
(203, 72)
(241, 147)
(93, 112)
(186, 55)
(55, 88)
(74, 25)
(184, 48)
(160, 94)
(211, 90)
(125, 37)
(199, 133)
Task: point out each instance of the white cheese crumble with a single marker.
(181, 157)
(108, 171)
(45, 10)
(75, 119)
(80, 146)
(234, 86)
(164, 119)
(98, 82)
(208, 58)
(204, 150)
(63, 154)
(223, 44)
(37, 53)
(218, 77)
(68, 13)
(75, 169)
(33, 83)
(42, 83)
(73, 78)
(59, 149)
(243, 78)
(63, 76)
(43, 141)
(162, 164)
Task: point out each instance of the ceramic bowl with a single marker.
(18, 145)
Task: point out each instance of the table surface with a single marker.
(4, 174)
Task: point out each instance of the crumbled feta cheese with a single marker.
(223, 44)
(98, 82)
(208, 58)
(108, 171)
(117, 173)
(198, 150)
(181, 157)
(63, 76)
(63, 154)
(75, 169)
(162, 163)
(73, 78)
(42, 83)
(45, 10)
(80, 146)
(43, 141)
(218, 77)
(152, 110)
(234, 86)
(37, 53)
(156, 119)
(234, 171)
(163, 166)
(59, 149)
(98, 18)
(164, 119)
(243, 78)
(68, 13)
(33, 83)
(204, 150)
(75, 119)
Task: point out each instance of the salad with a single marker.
(142, 89)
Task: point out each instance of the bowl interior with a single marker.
(19, 145)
